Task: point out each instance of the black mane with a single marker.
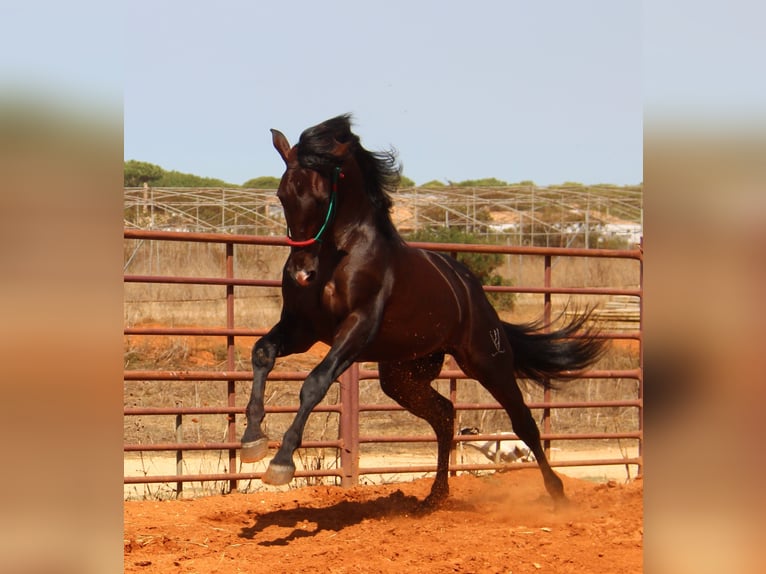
(380, 169)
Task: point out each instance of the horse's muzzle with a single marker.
(302, 266)
(304, 278)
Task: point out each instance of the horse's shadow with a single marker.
(332, 518)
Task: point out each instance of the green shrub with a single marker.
(137, 173)
(484, 182)
(433, 183)
(262, 182)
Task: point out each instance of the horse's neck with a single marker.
(358, 215)
(355, 215)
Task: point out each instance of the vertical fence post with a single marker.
(179, 454)
(452, 364)
(547, 391)
(349, 426)
(641, 360)
(231, 432)
(453, 398)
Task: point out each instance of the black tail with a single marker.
(542, 353)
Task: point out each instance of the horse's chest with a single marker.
(333, 299)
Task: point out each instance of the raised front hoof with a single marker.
(278, 474)
(254, 451)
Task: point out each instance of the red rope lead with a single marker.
(306, 243)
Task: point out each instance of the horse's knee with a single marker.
(263, 355)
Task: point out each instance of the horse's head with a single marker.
(308, 194)
(332, 184)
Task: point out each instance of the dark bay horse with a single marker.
(352, 282)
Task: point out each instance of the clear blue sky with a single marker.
(542, 90)
(518, 90)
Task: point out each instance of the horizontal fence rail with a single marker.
(351, 433)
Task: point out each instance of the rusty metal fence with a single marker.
(351, 435)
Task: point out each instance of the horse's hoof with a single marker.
(254, 451)
(432, 502)
(278, 474)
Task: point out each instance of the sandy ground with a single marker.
(495, 522)
(499, 523)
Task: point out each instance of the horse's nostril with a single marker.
(303, 278)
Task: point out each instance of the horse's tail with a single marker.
(541, 352)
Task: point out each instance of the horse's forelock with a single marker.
(318, 144)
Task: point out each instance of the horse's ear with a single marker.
(280, 143)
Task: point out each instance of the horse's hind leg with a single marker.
(525, 427)
(494, 370)
(409, 384)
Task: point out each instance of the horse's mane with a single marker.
(380, 169)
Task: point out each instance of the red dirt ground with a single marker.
(500, 523)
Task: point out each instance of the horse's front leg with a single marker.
(350, 341)
(276, 343)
